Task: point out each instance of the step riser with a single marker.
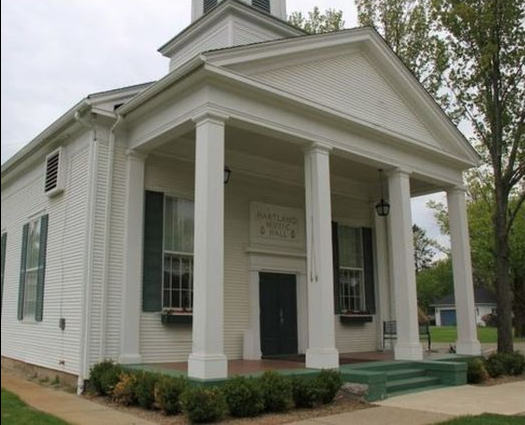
(396, 376)
(404, 386)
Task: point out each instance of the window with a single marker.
(177, 285)
(351, 270)
(32, 269)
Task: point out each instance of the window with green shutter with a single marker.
(4, 246)
(32, 269)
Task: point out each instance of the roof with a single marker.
(481, 296)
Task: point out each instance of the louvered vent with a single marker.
(54, 181)
(262, 4)
(209, 5)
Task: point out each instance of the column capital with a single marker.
(317, 148)
(398, 171)
(456, 189)
(217, 117)
(132, 154)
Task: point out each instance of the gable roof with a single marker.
(481, 296)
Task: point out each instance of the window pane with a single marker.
(350, 247)
(178, 225)
(30, 294)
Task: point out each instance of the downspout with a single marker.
(89, 235)
(107, 229)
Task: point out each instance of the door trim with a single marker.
(268, 263)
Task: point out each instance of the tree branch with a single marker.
(514, 213)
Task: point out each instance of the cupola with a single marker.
(276, 8)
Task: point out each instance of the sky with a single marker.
(55, 52)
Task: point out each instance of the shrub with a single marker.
(476, 371)
(306, 393)
(277, 392)
(104, 376)
(125, 391)
(494, 365)
(513, 363)
(145, 389)
(204, 404)
(244, 396)
(328, 383)
(168, 392)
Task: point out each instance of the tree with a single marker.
(406, 27)
(317, 22)
(423, 248)
(434, 282)
(486, 46)
(484, 41)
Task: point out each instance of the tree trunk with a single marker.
(519, 306)
(503, 287)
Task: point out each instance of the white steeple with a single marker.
(276, 8)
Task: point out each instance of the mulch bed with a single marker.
(342, 403)
(501, 380)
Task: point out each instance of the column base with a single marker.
(408, 351)
(468, 348)
(251, 346)
(207, 366)
(130, 359)
(322, 358)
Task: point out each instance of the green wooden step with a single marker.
(411, 383)
(416, 390)
(396, 375)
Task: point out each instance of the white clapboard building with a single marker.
(230, 210)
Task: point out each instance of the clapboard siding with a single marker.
(160, 343)
(349, 83)
(247, 33)
(21, 201)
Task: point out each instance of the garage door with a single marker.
(448, 317)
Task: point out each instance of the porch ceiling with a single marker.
(289, 152)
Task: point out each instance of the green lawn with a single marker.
(449, 334)
(486, 419)
(16, 412)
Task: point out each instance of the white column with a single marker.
(467, 342)
(321, 352)
(408, 346)
(133, 244)
(207, 360)
(383, 285)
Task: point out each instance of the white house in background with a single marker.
(484, 303)
(118, 212)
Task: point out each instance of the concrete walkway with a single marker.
(504, 399)
(434, 406)
(68, 407)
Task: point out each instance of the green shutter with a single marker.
(39, 311)
(22, 285)
(368, 257)
(153, 237)
(4, 245)
(335, 255)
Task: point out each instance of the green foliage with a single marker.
(145, 388)
(277, 392)
(423, 248)
(476, 371)
(168, 391)
(317, 22)
(328, 382)
(306, 392)
(244, 396)
(204, 404)
(485, 419)
(406, 25)
(16, 412)
(104, 376)
(495, 365)
(125, 392)
(434, 283)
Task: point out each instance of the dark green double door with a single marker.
(278, 314)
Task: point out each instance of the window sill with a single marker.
(352, 319)
(177, 319)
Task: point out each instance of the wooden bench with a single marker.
(390, 332)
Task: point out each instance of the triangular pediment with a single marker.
(355, 74)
